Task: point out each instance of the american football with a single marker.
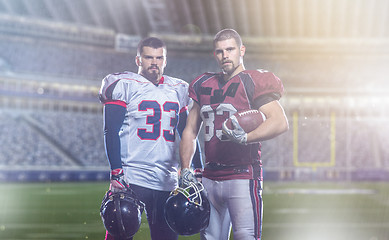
(249, 119)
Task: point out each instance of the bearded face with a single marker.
(229, 56)
(152, 73)
(151, 63)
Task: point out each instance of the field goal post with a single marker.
(314, 165)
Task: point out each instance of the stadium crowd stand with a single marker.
(23, 147)
(79, 134)
(37, 56)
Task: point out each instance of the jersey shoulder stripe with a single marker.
(111, 82)
(172, 81)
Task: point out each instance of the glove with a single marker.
(237, 135)
(186, 178)
(117, 181)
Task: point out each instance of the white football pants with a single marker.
(237, 203)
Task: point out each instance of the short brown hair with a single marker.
(227, 34)
(150, 42)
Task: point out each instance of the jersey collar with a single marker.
(161, 81)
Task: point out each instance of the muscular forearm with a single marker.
(275, 123)
(189, 136)
(196, 160)
(268, 130)
(187, 149)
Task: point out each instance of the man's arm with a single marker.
(276, 123)
(196, 161)
(189, 136)
(113, 119)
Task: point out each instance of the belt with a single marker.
(220, 166)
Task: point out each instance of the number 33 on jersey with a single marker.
(151, 114)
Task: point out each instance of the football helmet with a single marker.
(121, 213)
(187, 209)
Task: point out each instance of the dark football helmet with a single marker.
(187, 210)
(121, 213)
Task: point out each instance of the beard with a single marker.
(229, 68)
(151, 74)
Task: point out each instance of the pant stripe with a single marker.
(256, 200)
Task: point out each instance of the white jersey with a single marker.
(147, 136)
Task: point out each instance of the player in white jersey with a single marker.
(142, 113)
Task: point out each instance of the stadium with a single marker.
(326, 178)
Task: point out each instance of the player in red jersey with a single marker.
(233, 171)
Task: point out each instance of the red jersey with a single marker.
(218, 100)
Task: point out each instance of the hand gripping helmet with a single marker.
(121, 213)
(187, 210)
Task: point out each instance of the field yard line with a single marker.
(57, 226)
(327, 225)
(380, 199)
(49, 225)
(313, 191)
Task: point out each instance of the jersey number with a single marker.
(154, 120)
(212, 117)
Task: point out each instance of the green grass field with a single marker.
(292, 211)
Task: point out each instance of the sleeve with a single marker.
(182, 122)
(113, 120)
(192, 92)
(114, 90)
(195, 87)
(185, 100)
(268, 87)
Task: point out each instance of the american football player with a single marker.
(232, 174)
(142, 113)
